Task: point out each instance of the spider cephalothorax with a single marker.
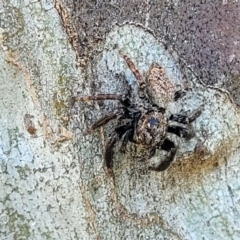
(151, 129)
(144, 116)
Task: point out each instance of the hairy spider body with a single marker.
(144, 117)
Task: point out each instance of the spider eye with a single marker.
(153, 122)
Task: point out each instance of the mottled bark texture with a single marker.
(53, 180)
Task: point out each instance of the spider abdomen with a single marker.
(159, 88)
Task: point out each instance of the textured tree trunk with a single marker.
(54, 183)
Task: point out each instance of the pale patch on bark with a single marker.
(39, 196)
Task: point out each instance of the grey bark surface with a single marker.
(53, 180)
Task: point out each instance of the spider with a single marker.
(144, 117)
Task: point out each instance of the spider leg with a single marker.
(134, 115)
(136, 73)
(180, 118)
(185, 119)
(169, 146)
(181, 131)
(102, 121)
(195, 114)
(117, 97)
(136, 118)
(109, 150)
(99, 97)
(179, 94)
(126, 137)
(115, 136)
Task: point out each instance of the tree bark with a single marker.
(54, 182)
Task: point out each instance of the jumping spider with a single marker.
(144, 116)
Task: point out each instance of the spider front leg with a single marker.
(170, 147)
(115, 137)
(185, 119)
(104, 120)
(128, 136)
(109, 150)
(183, 132)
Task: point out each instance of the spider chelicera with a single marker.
(144, 118)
